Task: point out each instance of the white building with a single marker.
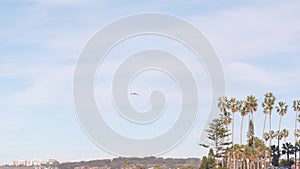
(33, 162)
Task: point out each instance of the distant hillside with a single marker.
(122, 163)
(138, 163)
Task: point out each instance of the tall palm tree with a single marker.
(223, 106)
(244, 112)
(297, 145)
(252, 107)
(268, 106)
(266, 137)
(288, 150)
(281, 109)
(234, 105)
(296, 106)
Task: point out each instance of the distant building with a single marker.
(28, 163)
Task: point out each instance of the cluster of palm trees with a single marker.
(258, 152)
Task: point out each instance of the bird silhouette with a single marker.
(134, 94)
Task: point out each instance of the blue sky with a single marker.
(40, 42)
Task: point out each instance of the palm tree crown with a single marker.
(268, 106)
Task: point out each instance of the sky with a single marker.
(40, 43)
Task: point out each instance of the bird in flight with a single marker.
(134, 94)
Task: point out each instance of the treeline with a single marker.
(253, 151)
(138, 163)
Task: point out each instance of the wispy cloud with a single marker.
(248, 32)
(46, 89)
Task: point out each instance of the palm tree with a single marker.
(234, 105)
(244, 112)
(268, 106)
(296, 150)
(285, 134)
(252, 107)
(225, 115)
(297, 145)
(274, 149)
(281, 109)
(296, 106)
(223, 106)
(261, 151)
(288, 150)
(266, 137)
(235, 154)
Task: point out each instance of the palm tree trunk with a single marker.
(228, 158)
(296, 121)
(279, 124)
(265, 159)
(296, 159)
(270, 139)
(265, 118)
(295, 135)
(248, 166)
(253, 127)
(279, 129)
(241, 131)
(299, 154)
(284, 140)
(234, 161)
(232, 129)
(217, 154)
(233, 135)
